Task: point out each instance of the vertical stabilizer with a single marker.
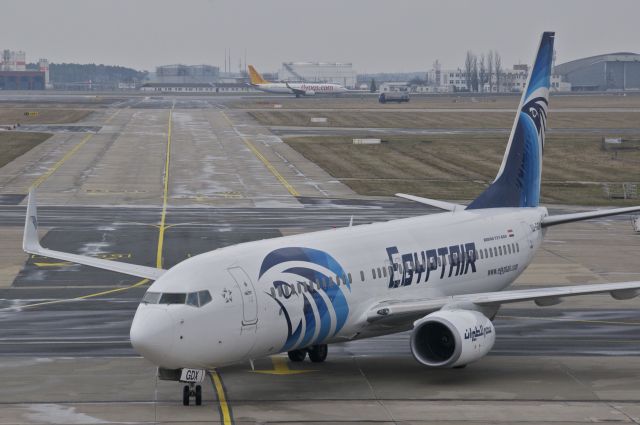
(518, 181)
(255, 76)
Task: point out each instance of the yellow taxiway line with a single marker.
(225, 411)
(160, 233)
(58, 164)
(264, 160)
(165, 192)
(281, 367)
(69, 154)
(84, 297)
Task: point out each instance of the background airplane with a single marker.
(442, 276)
(298, 89)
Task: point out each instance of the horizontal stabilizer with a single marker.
(432, 202)
(568, 218)
(31, 245)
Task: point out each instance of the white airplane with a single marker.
(443, 276)
(298, 89)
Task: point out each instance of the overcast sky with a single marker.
(375, 35)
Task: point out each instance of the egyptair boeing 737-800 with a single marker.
(297, 89)
(442, 276)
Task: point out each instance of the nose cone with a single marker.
(153, 334)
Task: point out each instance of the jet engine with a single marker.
(309, 93)
(450, 338)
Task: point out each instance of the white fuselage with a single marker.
(310, 88)
(269, 296)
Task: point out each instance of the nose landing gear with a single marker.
(317, 353)
(189, 391)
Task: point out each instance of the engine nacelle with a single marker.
(450, 338)
(309, 93)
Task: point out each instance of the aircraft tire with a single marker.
(185, 395)
(198, 395)
(318, 353)
(297, 355)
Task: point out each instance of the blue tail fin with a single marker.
(518, 181)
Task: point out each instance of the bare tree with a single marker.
(490, 70)
(497, 62)
(468, 68)
(474, 73)
(482, 72)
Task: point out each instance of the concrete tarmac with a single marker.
(230, 180)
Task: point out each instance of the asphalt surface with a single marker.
(100, 189)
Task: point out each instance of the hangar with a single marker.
(612, 71)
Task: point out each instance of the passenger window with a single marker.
(485, 253)
(513, 247)
(517, 247)
(384, 271)
(500, 250)
(361, 276)
(491, 252)
(192, 299)
(205, 297)
(379, 272)
(495, 251)
(373, 273)
(509, 248)
(349, 276)
(273, 292)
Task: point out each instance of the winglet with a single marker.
(30, 241)
(432, 202)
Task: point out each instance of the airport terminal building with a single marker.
(613, 71)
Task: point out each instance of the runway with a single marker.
(65, 355)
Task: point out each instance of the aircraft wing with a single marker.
(541, 296)
(31, 245)
(297, 92)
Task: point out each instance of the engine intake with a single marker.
(450, 338)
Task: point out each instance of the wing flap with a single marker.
(541, 296)
(31, 245)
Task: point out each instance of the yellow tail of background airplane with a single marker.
(255, 76)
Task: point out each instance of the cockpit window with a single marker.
(205, 297)
(195, 299)
(168, 298)
(151, 297)
(192, 299)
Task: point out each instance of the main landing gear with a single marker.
(317, 353)
(189, 391)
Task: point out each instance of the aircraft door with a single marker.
(247, 294)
